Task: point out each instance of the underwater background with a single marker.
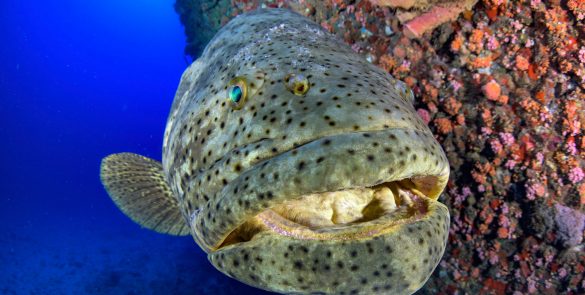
(501, 84)
(80, 80)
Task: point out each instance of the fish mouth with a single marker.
(355, 185)
(346, 210)
(349, 214)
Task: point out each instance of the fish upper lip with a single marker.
(296, 146)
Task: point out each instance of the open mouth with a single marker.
(340, 215)
(341, 187)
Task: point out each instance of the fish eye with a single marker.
(297, 84)
(237, 92)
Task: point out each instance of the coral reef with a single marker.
(503, 88)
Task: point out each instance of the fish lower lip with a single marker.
(343, 215)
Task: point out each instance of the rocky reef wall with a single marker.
(201, 20)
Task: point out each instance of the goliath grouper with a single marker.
(295, 164)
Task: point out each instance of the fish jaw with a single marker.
(326, 164)
(333, 163)
(397, 260)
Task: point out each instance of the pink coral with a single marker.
(582, 55)
(424, 115)
(493, 43)
(578, 8)
(507, 138)
(496, 146)
(457, 85)
(493, 257)
(576, 175)
(510, 164)
(460, 197)
(534, 190)
(481, 188)
(571, 148)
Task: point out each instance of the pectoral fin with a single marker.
(138, 187)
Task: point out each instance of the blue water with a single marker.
(80, 80)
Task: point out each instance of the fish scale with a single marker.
(308, 116)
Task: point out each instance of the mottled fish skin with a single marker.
(355, 127)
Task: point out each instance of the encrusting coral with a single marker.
(420, 17)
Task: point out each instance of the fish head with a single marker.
(301, 167)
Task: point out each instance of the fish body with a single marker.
(295, 164)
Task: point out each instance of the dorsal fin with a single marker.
(138, 187)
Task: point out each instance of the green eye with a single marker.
(237, 92)
(297, 84)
